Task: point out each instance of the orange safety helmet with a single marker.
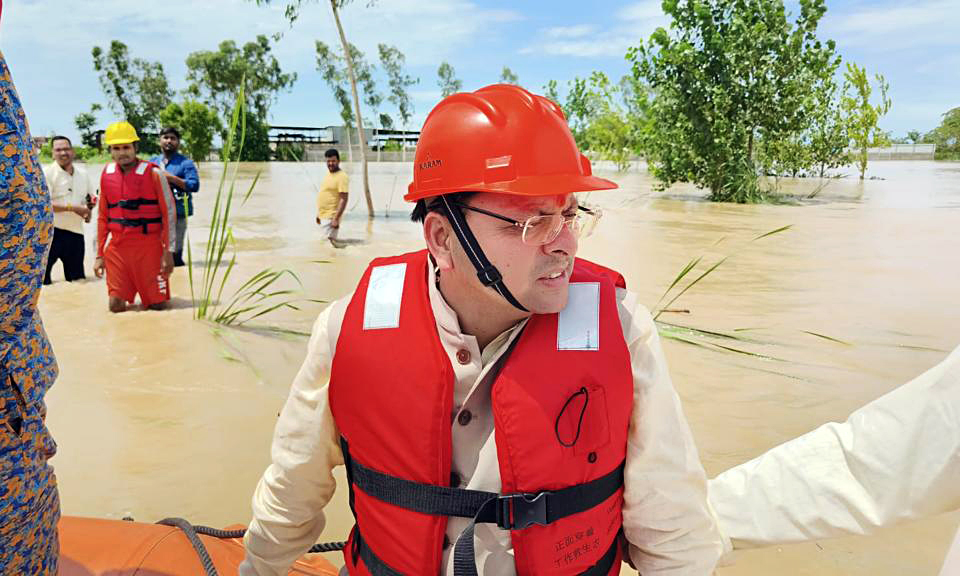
(500, 139)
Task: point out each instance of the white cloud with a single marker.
(577, 31)
(890, 27)
(48, 42)
(632, 25)
(648, 10)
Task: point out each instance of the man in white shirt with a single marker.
(501, 407)
(71, 196)
(895, 459)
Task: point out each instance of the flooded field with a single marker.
(159, 415)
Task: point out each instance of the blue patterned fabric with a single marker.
(29, 503)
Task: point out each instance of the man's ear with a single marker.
(439, 239)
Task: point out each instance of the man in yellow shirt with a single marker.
(332, 200)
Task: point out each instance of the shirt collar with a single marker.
(447, 317)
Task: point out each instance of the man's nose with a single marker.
(565, 243)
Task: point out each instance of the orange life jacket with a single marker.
(132, 199)
(561, 406)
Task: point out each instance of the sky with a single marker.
(47, 44)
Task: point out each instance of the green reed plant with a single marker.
(711, 339)
(261, 293)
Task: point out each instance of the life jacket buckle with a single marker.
(518, 511)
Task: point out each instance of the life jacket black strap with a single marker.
(374, 564)
(136, 222)
(486, 272)
(378, 567)
(507, 511)
(133, 203)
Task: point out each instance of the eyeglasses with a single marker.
(544, 229)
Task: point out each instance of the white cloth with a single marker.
(951, 566)
(895, 459)
(666, 516)
(66, 188)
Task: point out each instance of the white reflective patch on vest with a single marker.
(578, 325)
(384, 295)
(141, 168)
(111, 167)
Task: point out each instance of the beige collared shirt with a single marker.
(66, 188)
(666, 517)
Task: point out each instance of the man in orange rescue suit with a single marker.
(501, 406)
(138, 212)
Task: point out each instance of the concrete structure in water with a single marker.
(902, 152)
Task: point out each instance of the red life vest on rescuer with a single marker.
(132, 199)
(561, 405)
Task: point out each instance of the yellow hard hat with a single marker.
(120, 133)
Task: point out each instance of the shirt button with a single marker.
(464, 418)
(463, 356)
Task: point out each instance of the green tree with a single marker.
(946, 136)
(197, 124)
(914, 136)
(256, 143)
(862, 116)
(216, 77)
(332, 66)
(86, 123)
(508, 77)
(605, 118)
(292, 12)
(136, 89)
(729, 73)
(447, 80)
(386, 121)
(393, 61)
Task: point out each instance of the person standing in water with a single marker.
(71, 197)
(501, 406)
(333, 196)
(181, 174)
(29, 500)
(137, 212)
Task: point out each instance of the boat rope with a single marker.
(191, 532)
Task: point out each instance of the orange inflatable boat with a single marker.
(97, 547)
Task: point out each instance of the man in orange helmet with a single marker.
(501, 406)
(138, 214)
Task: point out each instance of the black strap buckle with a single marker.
(518, 511)
(489, 275)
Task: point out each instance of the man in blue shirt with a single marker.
(181, 173)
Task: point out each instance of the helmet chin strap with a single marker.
(486, 272)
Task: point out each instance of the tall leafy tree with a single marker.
(332, 65)
(197, 124)
(728, 74)
(136, 89)
(393, 61)
(862, 115)
(292, 12)
(447, 80)
(946, 136)
(216, 77)
(507, 76)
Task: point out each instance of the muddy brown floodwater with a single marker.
(159, 415)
